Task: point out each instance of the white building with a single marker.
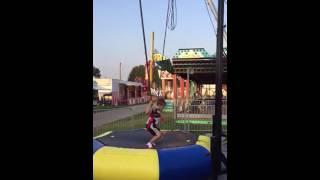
(117, 91)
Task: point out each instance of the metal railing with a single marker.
(196, 114)
(199, 106)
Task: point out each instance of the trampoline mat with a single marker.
(138, 138)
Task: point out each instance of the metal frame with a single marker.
(217, 155)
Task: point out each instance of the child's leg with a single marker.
(157, 136)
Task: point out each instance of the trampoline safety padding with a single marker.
(178, 155)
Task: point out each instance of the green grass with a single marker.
(139, 121)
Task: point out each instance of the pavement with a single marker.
(107, 116)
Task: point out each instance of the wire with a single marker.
(144, 42)
(172, 15)
(207, 8)
(165, 30)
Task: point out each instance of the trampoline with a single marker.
(177, 155)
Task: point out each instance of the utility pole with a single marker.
(120, 70)
(151, 58)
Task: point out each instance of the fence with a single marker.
(194, 116)
(199, 106)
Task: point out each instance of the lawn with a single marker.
(139, 121)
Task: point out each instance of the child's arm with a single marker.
(148, 108)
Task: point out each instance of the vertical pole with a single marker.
(187, 90)
(182, 88)
(174, 86)
(163, 84)
(151, 56)
(175, 96)
(187, 84)
(120, 71)
(216, 128)
(147, 74)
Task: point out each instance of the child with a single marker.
(153, 111)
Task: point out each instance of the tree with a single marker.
(96, 72)
(137, 72)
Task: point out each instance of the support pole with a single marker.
(216, 128)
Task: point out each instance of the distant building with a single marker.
(200, 66)
(116, 92)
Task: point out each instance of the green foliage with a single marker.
(137, 72)
(96, 72)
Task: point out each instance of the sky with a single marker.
(117, 32)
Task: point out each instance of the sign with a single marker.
(192, 53)
(165, 75)
(156, 92)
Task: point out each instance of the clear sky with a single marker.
(117, 32)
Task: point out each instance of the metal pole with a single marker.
(188, 71)
(216, 128)
(151, 56)
(120, 70)
(188, 79)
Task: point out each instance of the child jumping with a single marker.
(153, 111)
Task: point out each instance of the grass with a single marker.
(138, 121)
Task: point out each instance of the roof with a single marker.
(130, 83)
(110, 81)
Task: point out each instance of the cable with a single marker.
(207, 7)
(144, 42)
(172, 15)
(165, 31)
